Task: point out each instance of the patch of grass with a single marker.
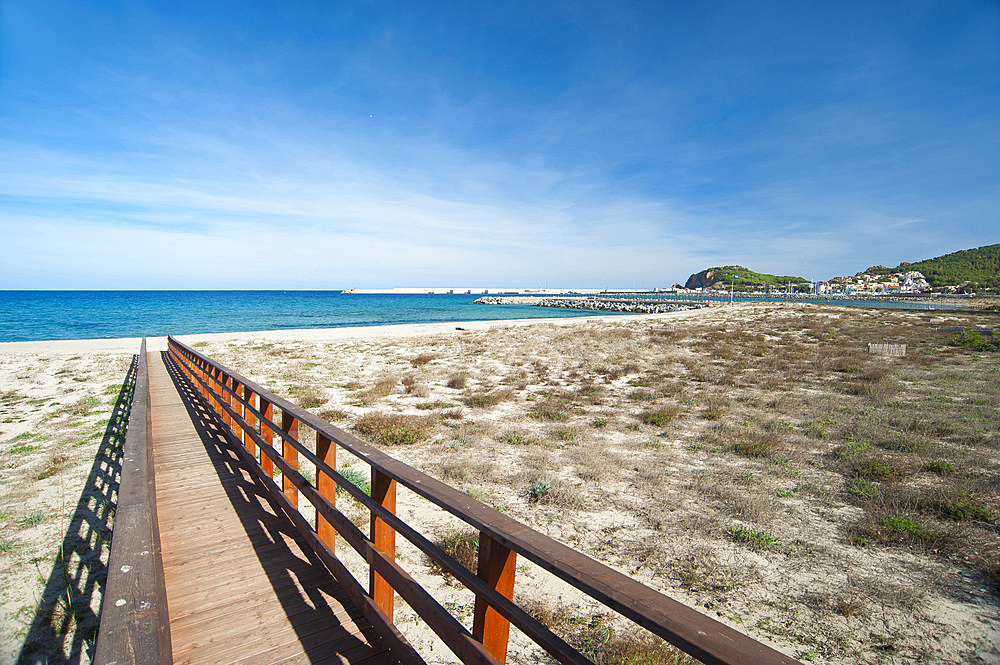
(113, 389)
(423, 359)
(333, 415)
(565, 434)
(659, 416)
(905, 526)
(941, 467)
(755, 538)
(356, 478)
(457, 381)
(598, 423)
(311, 399)
(455, 469)
(32, 519)
(874, 468)
(757, 444)
(515, 439)
(461, 545)
(486, 400)
(552, 492)
(428, 406)
(392, 429)
(866, 489)
(959, 508)
(22, 449)
(383, 387)
(7, 545)
(547, 411)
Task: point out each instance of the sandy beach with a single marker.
(753, 462)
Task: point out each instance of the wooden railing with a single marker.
(248, 412)
(134, 621)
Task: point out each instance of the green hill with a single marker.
(980, 265)
(722, 276)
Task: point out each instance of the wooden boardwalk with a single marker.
(241, 586)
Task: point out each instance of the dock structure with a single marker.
(213, 562)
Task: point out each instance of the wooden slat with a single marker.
(241, 584)
(134, 612)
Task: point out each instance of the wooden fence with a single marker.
(248, 412)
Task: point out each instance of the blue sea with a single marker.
(45, 315)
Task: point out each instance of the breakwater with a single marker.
(599, 304)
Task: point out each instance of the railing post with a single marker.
(238, 408)
(266, 410)
(496, 567)
(251, 419)
(227, 382)
(384, 538)
(290, 425)
(326, 451)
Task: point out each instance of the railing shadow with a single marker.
(309, 612)
(65, 624)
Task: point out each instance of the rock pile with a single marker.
(601, 304)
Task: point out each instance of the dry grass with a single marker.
(641, 445)
(392, 429)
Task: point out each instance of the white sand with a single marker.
(131, 344)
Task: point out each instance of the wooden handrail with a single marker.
(501, 537)
(134, 624)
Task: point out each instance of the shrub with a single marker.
(755, 538)
(311, 399)
(461, 545)
(971, 339)
(356, 478)
(392, 429)
(757, 444)
(427, 406)
(904, 525)
(457, 381)
(423, 359)
(539, 490)
(485, 400)
(332, 415)
(940, 466)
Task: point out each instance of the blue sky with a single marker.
(591, 144)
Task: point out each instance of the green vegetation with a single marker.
(755, 538)
(539, 490)
(972, 340)
(980, 265)
(32, 519)
(356, 478)
(746, 279)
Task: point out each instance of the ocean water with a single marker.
(47, 315)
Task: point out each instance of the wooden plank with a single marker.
(239, 581)
(134, 614)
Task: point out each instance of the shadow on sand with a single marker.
(65, 623)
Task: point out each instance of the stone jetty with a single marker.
(600, 304)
